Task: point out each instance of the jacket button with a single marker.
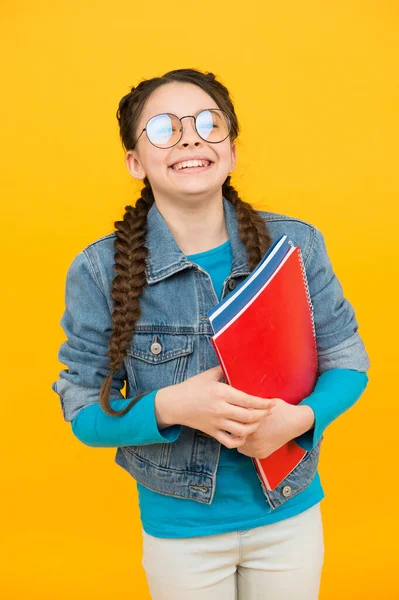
(202, 488)
(287, 491)
(156, 348)
(231, 284)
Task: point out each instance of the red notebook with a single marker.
(268, 349)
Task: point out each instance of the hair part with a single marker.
(130, 249)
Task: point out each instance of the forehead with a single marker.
(177, 98)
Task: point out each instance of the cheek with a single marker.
(154, 161)
(227, 160)
(226, 153)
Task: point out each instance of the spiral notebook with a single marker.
(265, 341)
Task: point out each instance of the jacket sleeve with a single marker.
(343, 360)
(339, 344)
(87, 323)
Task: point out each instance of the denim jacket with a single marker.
(174, 305)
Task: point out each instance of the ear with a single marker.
(233, 156)
(133, 165)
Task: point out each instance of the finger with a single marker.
(245, 453)
(216, 373)
(229, 440)
(239, 429)
(244, 400)
(247, 415)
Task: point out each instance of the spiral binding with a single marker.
(305, 279)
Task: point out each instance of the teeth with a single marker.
(190, 163)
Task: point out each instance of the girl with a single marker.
(136, 306)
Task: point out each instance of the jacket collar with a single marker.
(166, 258)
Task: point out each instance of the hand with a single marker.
(203, 402)
(284, 422)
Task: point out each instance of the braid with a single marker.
(253, 230)
(130, 249)
(127, 286)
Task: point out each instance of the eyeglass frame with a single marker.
(181, 127)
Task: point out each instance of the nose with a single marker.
(189, 134)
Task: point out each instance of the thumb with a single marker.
(216, 373)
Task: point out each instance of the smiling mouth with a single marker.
(187, 170)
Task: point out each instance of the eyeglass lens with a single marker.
(164, 130)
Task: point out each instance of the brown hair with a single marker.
(130, 251)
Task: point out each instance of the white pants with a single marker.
(280, 561)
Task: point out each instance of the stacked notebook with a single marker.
(264, 337)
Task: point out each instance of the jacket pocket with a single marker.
(299, 479)
(158, 359)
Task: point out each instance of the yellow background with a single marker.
(315, 86)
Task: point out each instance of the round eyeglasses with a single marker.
(165, 130)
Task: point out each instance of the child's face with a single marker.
(147, 160)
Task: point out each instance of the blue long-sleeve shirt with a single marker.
(239, 502)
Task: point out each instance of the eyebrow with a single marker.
(194, 114)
